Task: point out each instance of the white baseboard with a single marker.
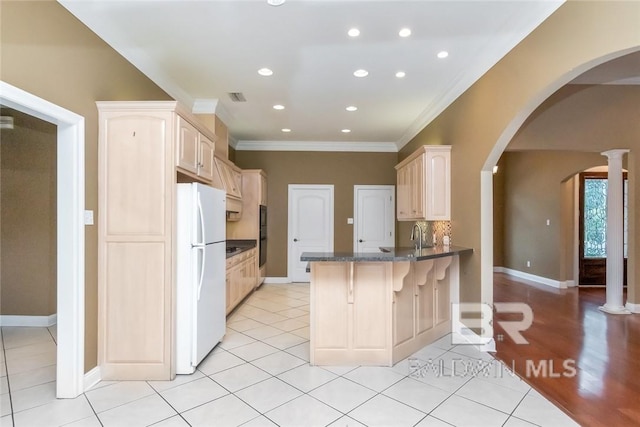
(92, 378)
(278, 280)
(634, 308)
(538, 279)
(31, 321)
(470, 337)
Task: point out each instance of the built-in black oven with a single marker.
(262, 244)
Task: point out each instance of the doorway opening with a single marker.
(70, 232)
(592, 237)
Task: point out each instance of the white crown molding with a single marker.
(233, 142)
(204, 106)
(369, 147)
(484, 61)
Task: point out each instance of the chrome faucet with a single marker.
(413, 229)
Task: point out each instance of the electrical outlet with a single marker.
(349, 220)
(528, 263)
(88, 217)
(548, 222)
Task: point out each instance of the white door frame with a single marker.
(293, 187)
(70, 229)
(355, 209)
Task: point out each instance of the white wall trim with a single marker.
(538, 279)
(278, 280)
(359, 147)
(634, 308)
(30, 321)
(70, 231)
(92, 378)
(486, 236)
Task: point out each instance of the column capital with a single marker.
(617, 153)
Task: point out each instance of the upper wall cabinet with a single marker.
(194, 152)
(424, 184)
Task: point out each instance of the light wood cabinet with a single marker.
(195, 152)
(254, 194)
(424, 185)
(141, 146)
(231, 177)
(241, 277)
(352, 303)
(421, 304)
(222, 135)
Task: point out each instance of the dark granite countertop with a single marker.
(387, 254)
(235, 247)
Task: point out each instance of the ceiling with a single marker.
(200, 51)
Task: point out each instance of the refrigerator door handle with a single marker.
(201, 219)
(202, 249)
(201, 246)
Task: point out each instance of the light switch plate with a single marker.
(88, 217)
(349, 220)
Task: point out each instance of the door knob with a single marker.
(360, 240)
(295, 240)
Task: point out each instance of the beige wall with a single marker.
(536, 190)
(579, 117)
(343, 170)
(49, 53)
(28, 217)
(487, 115)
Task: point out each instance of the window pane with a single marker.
(595, 218)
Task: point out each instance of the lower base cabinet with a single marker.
(379, 313)
(242, 277)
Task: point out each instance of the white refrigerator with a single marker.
(200, 294)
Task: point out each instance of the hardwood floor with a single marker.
(567, 326)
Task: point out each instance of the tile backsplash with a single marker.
(439, 228)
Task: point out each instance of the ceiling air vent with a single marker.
(237, 97)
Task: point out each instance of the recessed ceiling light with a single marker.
(361, 73)
(351, 108)
(443, 54)
(405, 32)
(346, 130)
(275, 2)
(400, 74)
(278, 107)
(265, 72)
(353, 32)
(286, 130)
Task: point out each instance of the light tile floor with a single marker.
(260, 376)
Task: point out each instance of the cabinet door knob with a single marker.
(295, 240)
(360, 240)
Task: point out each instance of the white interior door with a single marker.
(310, 225)
(374, 217)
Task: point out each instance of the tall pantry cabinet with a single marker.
(141, 146)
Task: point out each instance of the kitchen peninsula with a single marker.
(378, 308)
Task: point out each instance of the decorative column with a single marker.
(615, 234)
